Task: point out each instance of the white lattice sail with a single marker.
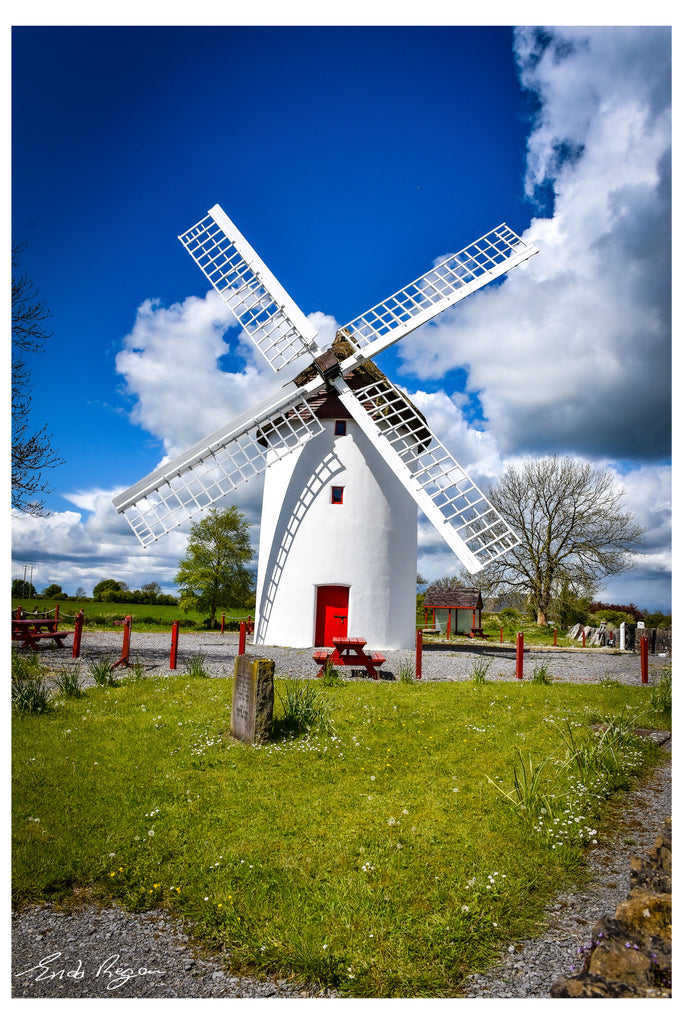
(450, 499)
(491, 256)
(269, 316)
(216, 465)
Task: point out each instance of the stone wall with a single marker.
(630, 954)
(659, 640)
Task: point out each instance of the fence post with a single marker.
(243, 638)
(222, 623)
(418, 654)
(583, 637)
(57, 612)
(123, 660)
(78, 629)
(174, 644)
(644, 675)
(519, 664)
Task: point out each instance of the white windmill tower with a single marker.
(348, 458)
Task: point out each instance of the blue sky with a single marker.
(352, 159)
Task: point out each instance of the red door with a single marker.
(331, 614)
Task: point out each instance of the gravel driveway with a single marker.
(442, 661)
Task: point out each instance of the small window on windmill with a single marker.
(340, 428)
(337, 495)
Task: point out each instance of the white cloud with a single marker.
(571, 352)
(171, 363)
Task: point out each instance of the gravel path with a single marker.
(109, 953)
(445, 661)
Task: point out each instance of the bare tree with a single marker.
(32, 451)
(573, 528)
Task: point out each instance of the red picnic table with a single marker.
(31, 631)
(349, 650)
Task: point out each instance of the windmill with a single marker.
(348, 458)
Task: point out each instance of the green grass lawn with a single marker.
(380, 857)
(146, 617)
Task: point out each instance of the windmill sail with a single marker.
(242, 448)
(217, 464)
(491, 256)
(450, 499)
(269, 316)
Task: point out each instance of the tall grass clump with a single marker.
(303, 708)
(660, 692)
(542, 675)
(68, 681)
(196, 668)
(480, 670)
(406, 671)
(30, 694)
(103, 672)
(331, 676)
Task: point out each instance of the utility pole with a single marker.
(28, 569)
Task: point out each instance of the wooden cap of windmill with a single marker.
(327, 405)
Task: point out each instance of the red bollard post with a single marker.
(583, 637)
(222, 623)
(554, 638)
(418, 654)
(519, 665)
(57, 613)
(123, 660)
(174, 644)
(644, 675)
(78, 630)
(243, 638)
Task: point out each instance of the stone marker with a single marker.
(253, 696)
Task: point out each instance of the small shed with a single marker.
(454, 610)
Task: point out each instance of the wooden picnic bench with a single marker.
(349, 650)
(31, 631)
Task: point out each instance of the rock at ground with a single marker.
(630, 953)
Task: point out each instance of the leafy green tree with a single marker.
(54, 591)
(22, 588)
(214, 571)
(110, 590)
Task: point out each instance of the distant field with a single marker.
(105, 613)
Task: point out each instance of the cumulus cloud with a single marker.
(571, 351)
(171, 364)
